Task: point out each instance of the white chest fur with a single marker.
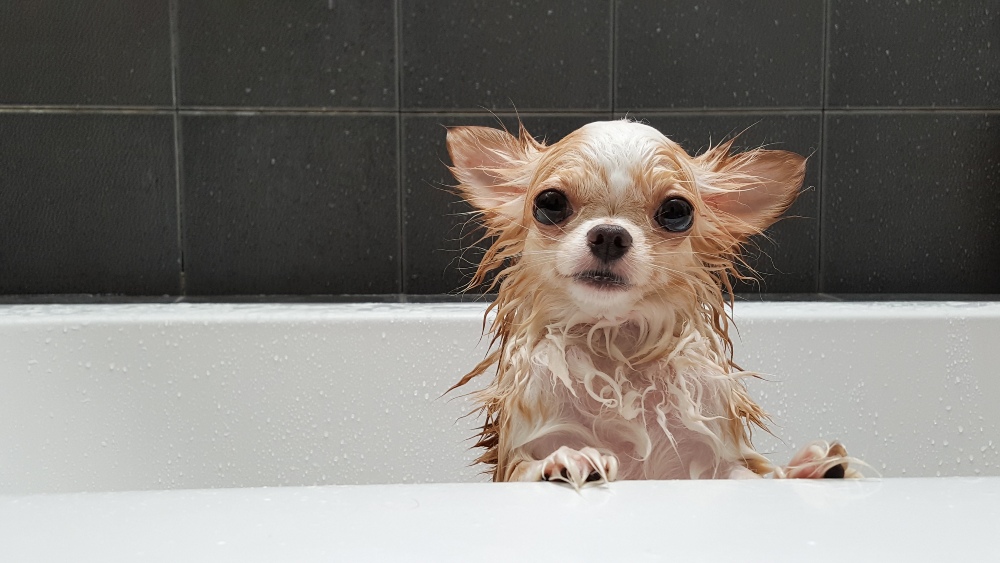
(666, 419)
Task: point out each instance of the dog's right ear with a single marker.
(493, 167)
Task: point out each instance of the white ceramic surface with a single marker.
(912, 520)
(139, 397)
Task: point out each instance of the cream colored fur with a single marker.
(634, 381)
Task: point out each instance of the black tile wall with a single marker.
(288, 204)
(287, 54)
(488, 54)
(928, 53)
(88, 204)
(786, 260)
(85, 52)
(912, 204)
(719, 54)
(212, 150)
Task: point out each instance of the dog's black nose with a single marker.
(609, 242)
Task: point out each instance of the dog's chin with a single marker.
(602, 293)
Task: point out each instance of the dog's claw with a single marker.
(821, 460)
(836, 472)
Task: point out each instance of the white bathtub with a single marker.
(136, 397)
(151, 397)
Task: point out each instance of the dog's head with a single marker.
(616, 217)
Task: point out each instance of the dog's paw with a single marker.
(821, 460)
(579, 468)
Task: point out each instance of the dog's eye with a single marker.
(551, 207)
(675, 215)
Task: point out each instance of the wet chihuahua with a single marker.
(613, 251)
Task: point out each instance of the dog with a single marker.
(613, 253)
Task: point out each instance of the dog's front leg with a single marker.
(576, 467)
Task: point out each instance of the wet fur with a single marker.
(647, 377)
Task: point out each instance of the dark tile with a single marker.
(290, 204)
(88, 204)
(441, 235)
(524, 54)
(912, 204)
(928, 53)
(287, 54)
(718, 53)
(87, 52)
(786, 260)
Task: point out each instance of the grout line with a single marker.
(824, 79)
(178, 143)
(289, 109)
(613, 58)
(398, 28)
(591, 110)
(401, 201)
(198, 110)
(911, 110)
(823, 200)
(174, 54)
(142, 110)
(719, 111)
(504, 113)
(309, 299)
(179, 182)
(825, 96)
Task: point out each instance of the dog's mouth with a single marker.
(602, 279)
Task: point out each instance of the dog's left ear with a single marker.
(750, 190)
(493, 167)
